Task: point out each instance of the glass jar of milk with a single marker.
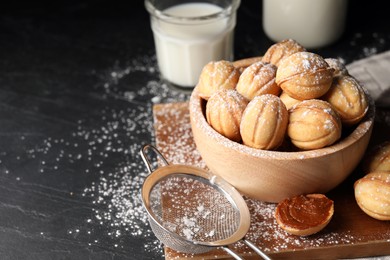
(190, 34)
(312, 23)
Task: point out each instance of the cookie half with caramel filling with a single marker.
(304, 215)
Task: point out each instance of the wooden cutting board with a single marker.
(351, 233)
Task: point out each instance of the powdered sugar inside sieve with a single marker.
(191, 210)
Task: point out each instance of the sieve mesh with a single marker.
(176, 242)
(193, 208)
(192, 211)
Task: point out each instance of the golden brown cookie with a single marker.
(281, 50)
(264, 122)
(348, 99)
(304, 75)
(287, 100)
(258, 79)
(339, 68)
(223, 112)
(245, 63)
(217, 75)
(378, 159)
(372, 194)
(313, 124)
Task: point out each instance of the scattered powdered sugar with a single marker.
(192, 208)
(116, 194)
(104, 145)
(260, 72)
(338, 65)
(221, 72)
(264, 230)
(306, 62)
(270, 237)
(369, 43)
(261, 231)
(329, 124)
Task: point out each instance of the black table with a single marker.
(78, 80)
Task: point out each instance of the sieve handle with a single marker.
(232, 253)
(146, 158)
(256, 249)
(251, 245)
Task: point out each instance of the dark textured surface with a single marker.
(71, 74)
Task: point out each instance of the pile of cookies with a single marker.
(288, 96)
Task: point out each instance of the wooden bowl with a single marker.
(272, 176)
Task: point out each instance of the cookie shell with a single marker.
(313, 124)
(348, 98)
(287, 100)
(258, 79)
(264, 122)
(378, 159)
(224, 111)
(304, 215)
(372, 194)
(281, 50)
(304, 75)
(339, 68)
(217, 75)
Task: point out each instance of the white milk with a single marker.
(183, 49)
(312, 23)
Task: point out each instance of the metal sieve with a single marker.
(192, 211)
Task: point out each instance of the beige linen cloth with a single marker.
(374, 74)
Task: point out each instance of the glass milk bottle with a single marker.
(188, 35)
(312, 23)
